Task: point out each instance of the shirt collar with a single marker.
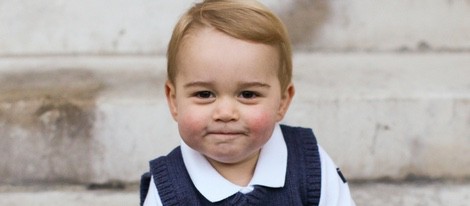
(270, 170)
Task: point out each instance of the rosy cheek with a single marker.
(262, 122)
(188, 124)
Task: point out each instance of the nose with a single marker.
(226, 110)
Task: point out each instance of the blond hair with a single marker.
(241, 19)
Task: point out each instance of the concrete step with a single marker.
(88, 119)
(73, 195)
(372, 193)
(411, 193)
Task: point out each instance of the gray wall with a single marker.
(384, 84)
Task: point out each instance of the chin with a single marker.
(229, 158)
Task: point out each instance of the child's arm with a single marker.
(152, 198)
(334, 188)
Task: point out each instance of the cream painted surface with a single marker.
(377, 115)
(384, 84)
(54, 27)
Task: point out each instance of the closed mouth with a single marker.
(225, 132)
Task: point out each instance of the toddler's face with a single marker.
(227, 96)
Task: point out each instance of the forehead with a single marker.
(210, 48)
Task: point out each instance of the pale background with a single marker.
(384, 84)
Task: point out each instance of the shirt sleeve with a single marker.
(152, 198)
(334, 191)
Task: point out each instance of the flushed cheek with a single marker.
(191, 126)
(261, 124)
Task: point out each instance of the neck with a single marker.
(239, 173)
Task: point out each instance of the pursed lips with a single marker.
(226, 132)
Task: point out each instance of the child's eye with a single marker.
(248, 95)
(204, 94)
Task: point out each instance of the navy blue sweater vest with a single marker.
(302, 186)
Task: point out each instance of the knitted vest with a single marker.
(302, 186)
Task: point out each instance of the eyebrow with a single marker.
(243, 84)
(197, 83)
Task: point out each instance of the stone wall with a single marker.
(384, 84)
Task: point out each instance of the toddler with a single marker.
(229, 85)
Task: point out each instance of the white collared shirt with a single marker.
(270, 172)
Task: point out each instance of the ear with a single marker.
(286, 98)
(170, 92)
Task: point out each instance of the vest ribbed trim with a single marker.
(166, 181)
(144, 186)
(309, 154)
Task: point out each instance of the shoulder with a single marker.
(334, 187)
(163, 163)
(295, 129)
(152, 198)
(158, 167)
(299, 135)
(175, 153)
